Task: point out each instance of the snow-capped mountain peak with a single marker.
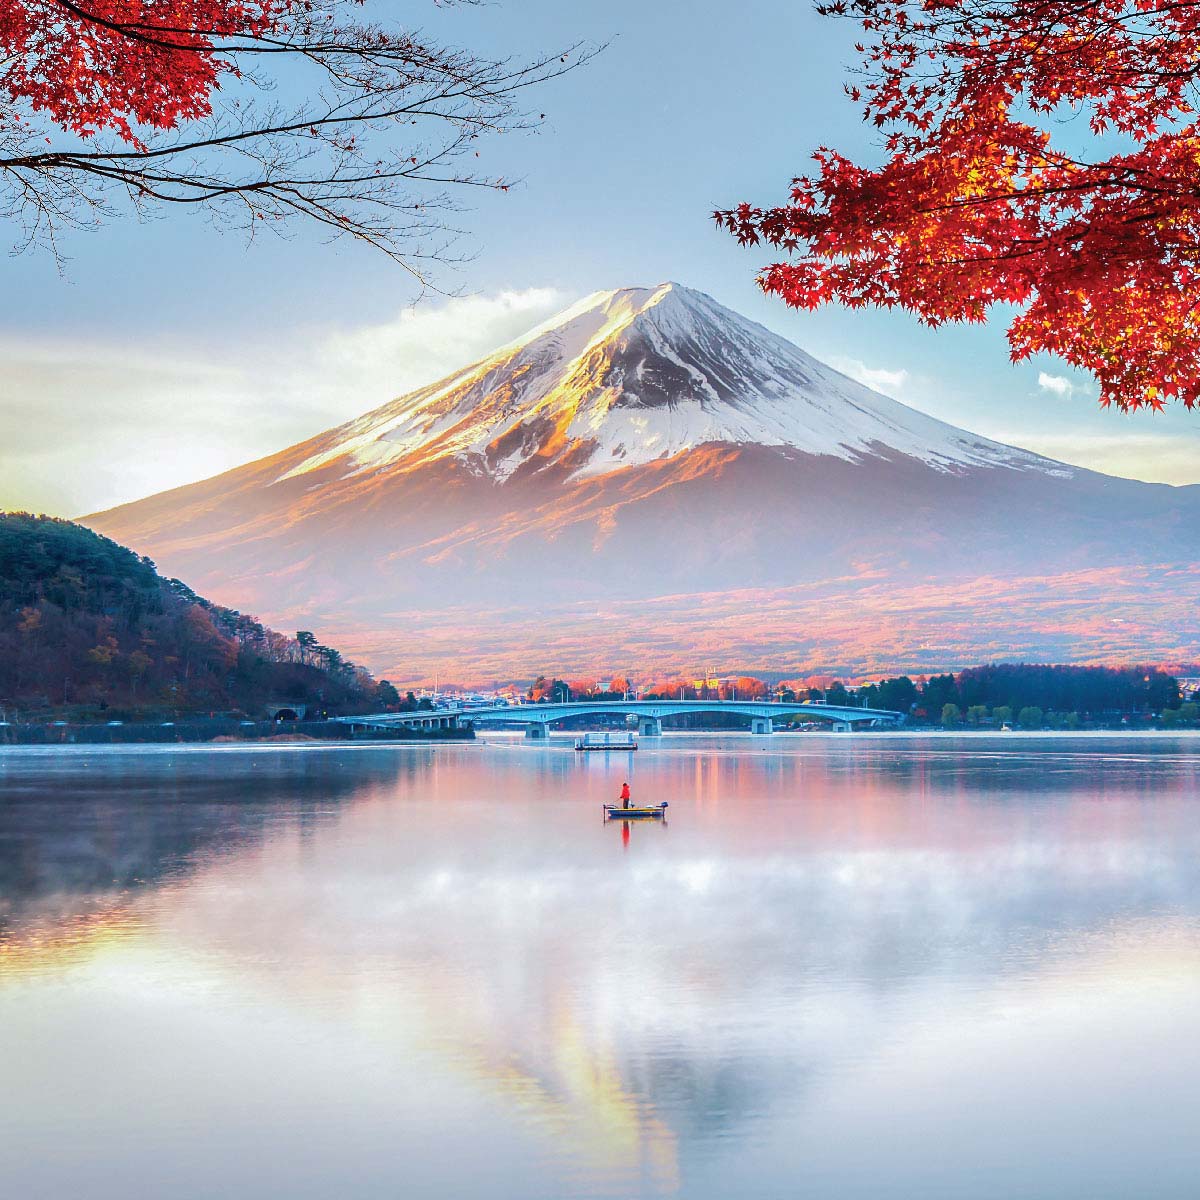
(627, 377)
(648, 478)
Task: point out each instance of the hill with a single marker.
(87, 624)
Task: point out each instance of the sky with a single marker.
(163, 351)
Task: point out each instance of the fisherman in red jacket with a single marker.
(624, 795)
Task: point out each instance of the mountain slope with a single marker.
(647, 444)
(629, 377)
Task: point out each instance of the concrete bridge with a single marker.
(537, 718)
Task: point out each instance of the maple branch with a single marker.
(974, 206)
(377, 150)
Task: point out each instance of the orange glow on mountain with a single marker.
(648, 483)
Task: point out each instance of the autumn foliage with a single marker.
(1038, 153)
(85, 622)
(259, 112)
(116, 64)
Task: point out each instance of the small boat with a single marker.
(642, 812)
(586, 743)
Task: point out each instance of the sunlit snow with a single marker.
(630, 376)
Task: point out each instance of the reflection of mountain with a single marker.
(654, 480)
(81, 831)
(467, 918)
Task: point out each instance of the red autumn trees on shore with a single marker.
(1043, 154)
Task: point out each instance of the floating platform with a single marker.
(585, 744)
(614, 812)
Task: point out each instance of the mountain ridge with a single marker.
(647, 444)
(626, 376)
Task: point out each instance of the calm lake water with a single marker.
(848, 966)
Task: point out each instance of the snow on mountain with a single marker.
(648, 481)
(635, 375)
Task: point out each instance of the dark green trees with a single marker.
(84, 622)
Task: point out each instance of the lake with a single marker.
(847, 966)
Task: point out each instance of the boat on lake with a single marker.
(635, 812)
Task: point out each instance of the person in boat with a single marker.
(624, 795)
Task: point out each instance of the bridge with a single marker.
(537, 718)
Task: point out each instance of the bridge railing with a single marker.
(526, 714)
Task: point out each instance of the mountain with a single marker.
(651, 481)
(632, 377)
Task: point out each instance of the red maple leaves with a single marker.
(357, 127)
(114, 64)
(1093, 231)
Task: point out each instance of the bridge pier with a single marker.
(842, 727)
(762, 725)
(539, 730)
(649, 727)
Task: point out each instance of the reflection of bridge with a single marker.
(537, 718)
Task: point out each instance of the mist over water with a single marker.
(847, 966)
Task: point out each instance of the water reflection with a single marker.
(80, 831)
(842, 958)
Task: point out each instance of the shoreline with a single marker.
(562, 741)
(209, 731)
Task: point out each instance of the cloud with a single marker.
(1060, 385)
(879, 379)
(422, 344)
(83, 427)
(1151, 457)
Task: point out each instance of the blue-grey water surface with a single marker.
(848, 966)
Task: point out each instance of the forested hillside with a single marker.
(86, 624)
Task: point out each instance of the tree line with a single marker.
(89, 625)
(1031, 695)
(1025, 695)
